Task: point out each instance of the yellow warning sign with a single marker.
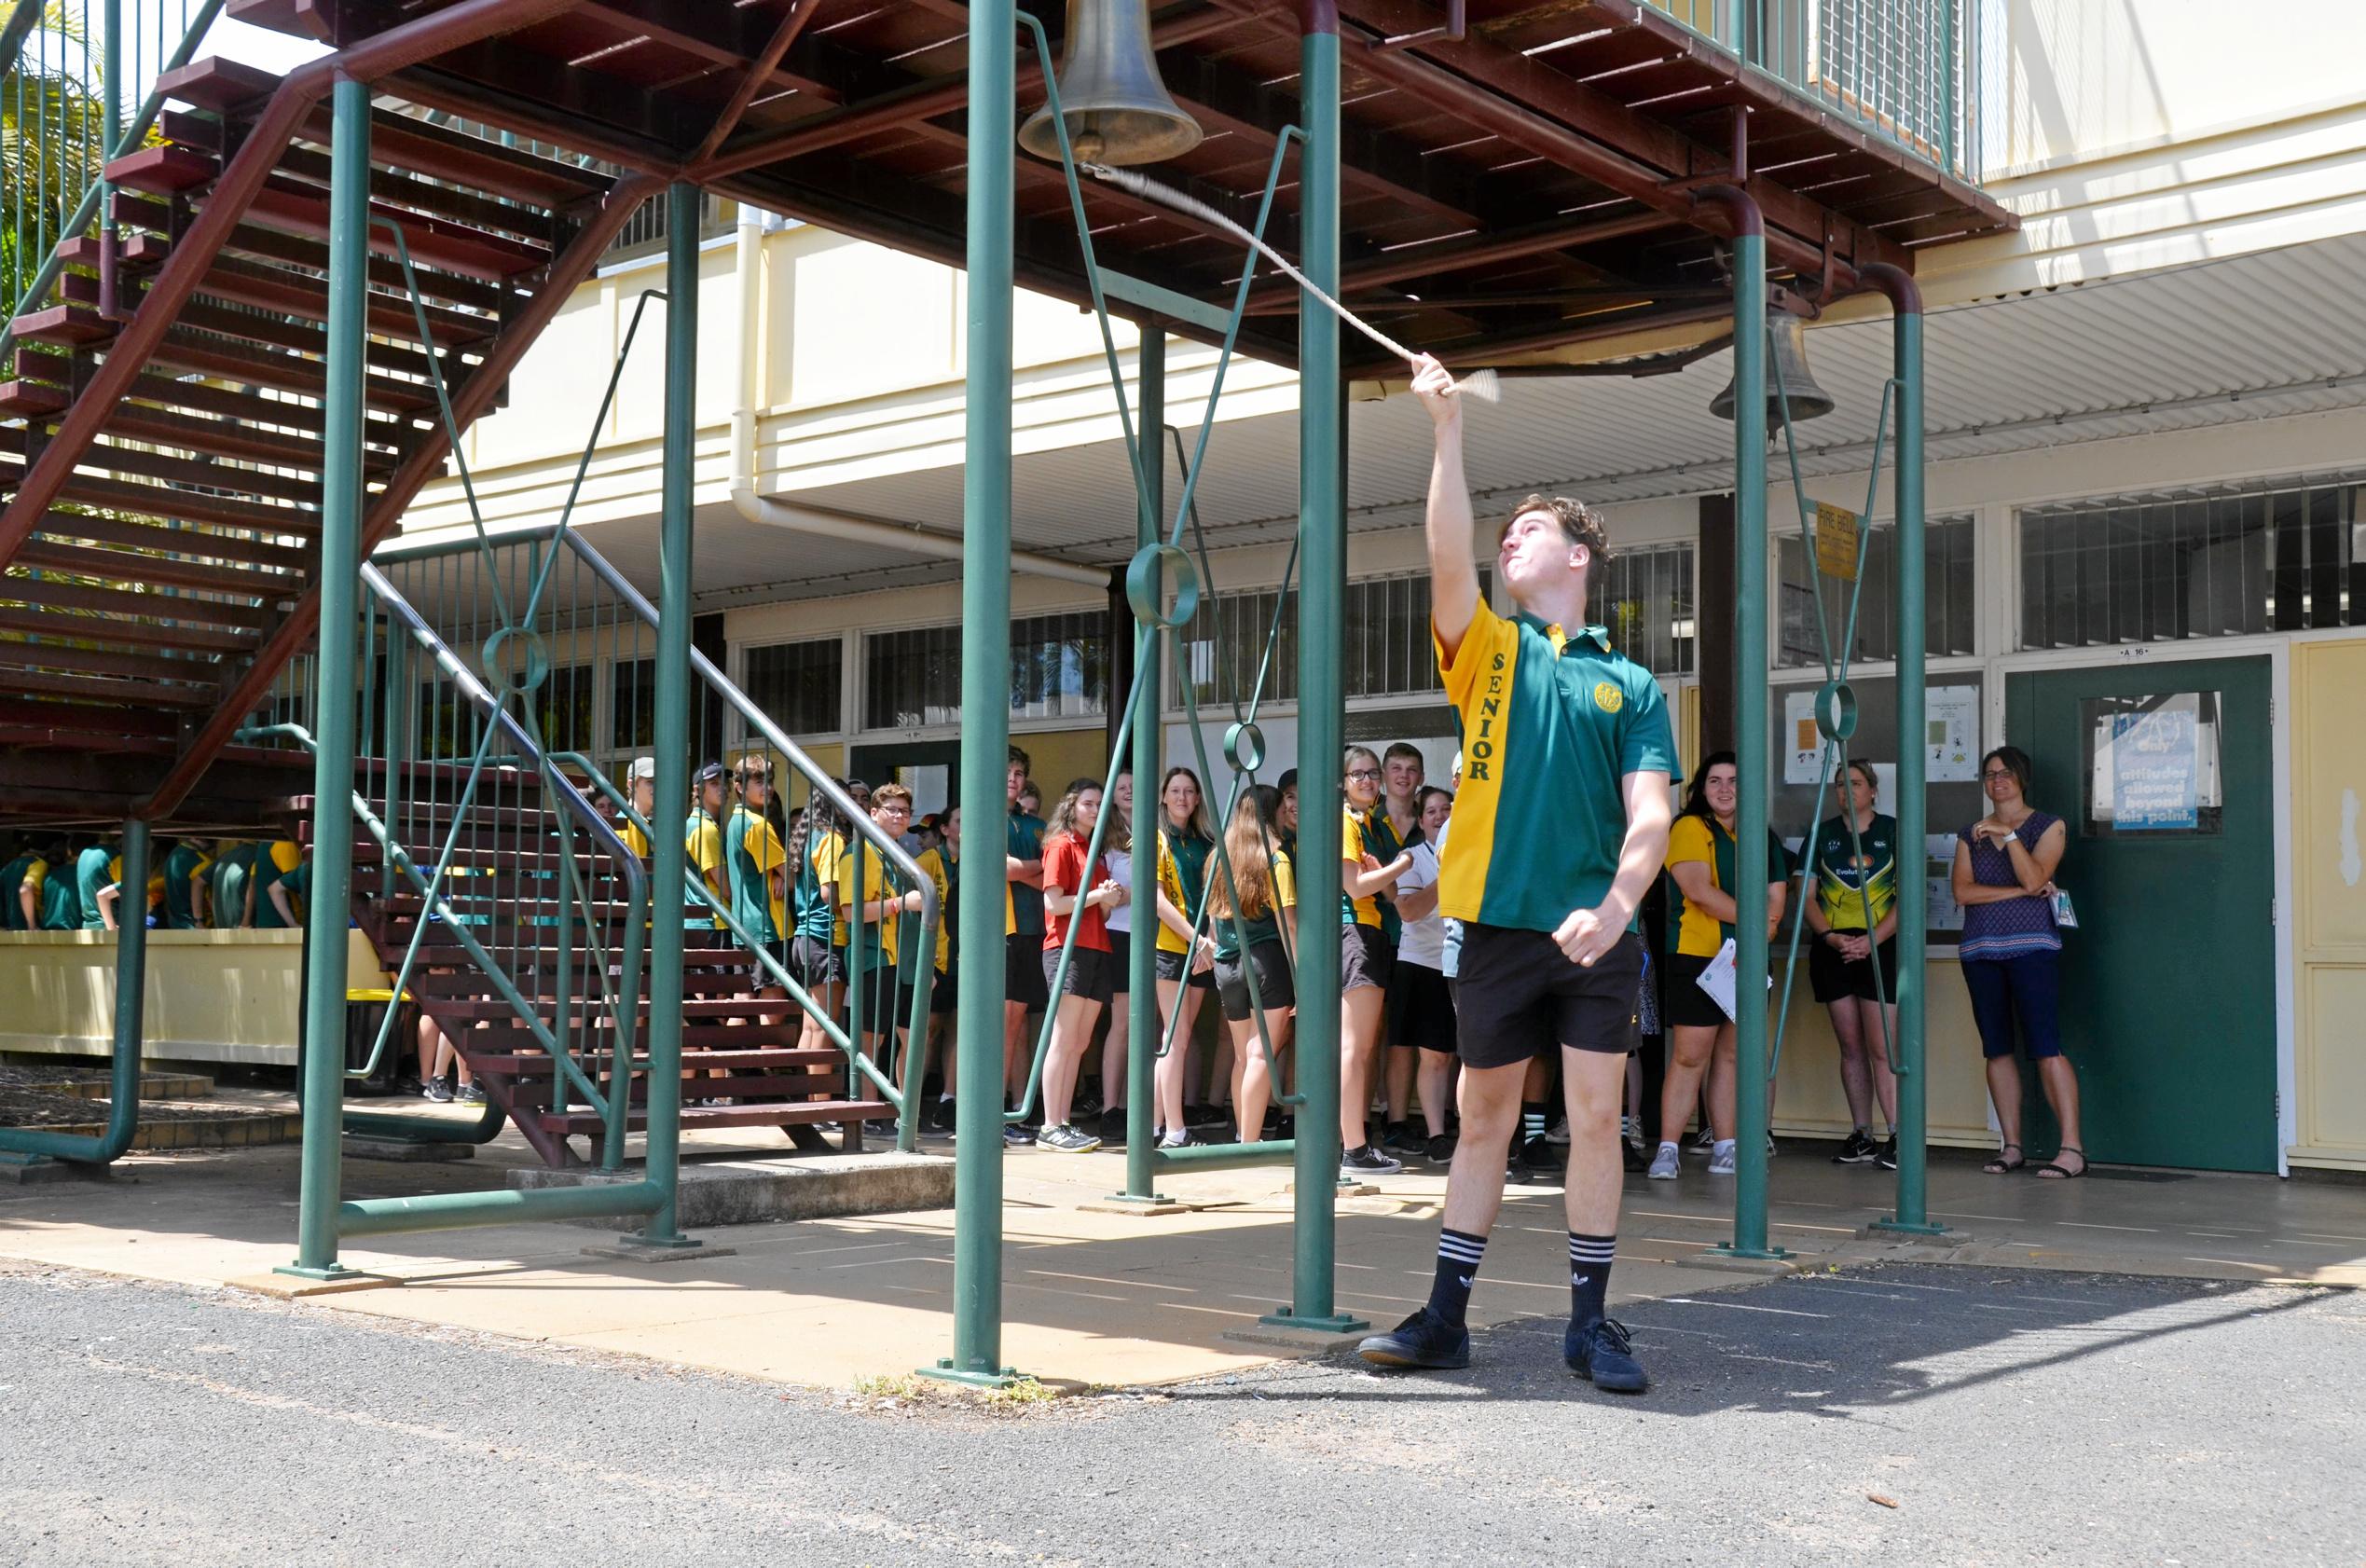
(1837, 529)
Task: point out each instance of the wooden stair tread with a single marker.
(164, 171)
(235, 582)
(218, 84)
(67, 324)
(782, 1114)
(30, 400)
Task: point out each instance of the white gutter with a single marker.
(826, 522)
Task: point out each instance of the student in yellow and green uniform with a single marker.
(49, 876)
(1186, 962)
(232, 873)
(1851, 859)
(1701, 855)
(1268, 911)
(186, 886)
(816, 846)
(98, 874)
(938, 870)
(703, 840)
(281, 871)
(1558, 832)
(1372, 860)
(754, 864)
(873, 968)
(944, 863)
(641, 787)
(18, 912)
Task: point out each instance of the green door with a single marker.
(2168, 985)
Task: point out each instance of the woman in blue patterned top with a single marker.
(2011, 954)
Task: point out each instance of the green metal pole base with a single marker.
(944, 1371)
(1148, 1202)
(334, 1274)
(1727, 1250)
(1891, 1225)
(673, 1243)
(1337, 1322)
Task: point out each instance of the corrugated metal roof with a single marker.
(2259, 335)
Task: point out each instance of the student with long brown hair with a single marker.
(1072, 891)
(1261, 874)
(1184, 960)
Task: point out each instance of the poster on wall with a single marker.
(1802, 757)
(1951, 719)
(2155, 773)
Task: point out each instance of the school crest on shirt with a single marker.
(1608, 697)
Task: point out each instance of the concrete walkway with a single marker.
(1115, 1299)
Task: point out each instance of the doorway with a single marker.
(2163, 777)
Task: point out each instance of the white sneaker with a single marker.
(1664, 1163)
(1721, 1159)
(1559, 1133)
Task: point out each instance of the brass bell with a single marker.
(1117, 108)
(1787, 340)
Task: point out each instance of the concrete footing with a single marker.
(1298, 1341)
(792, 1187)
(1724, 1263)
(41, 1172)
(625, 1250)
(296, 1287)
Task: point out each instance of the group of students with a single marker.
(60, 883)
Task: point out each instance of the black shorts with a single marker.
(947, 995)
(1520, 997)
(883, 999)
(1274, 987)
(1833, 977)
(1023, 970)
(1365, 958)
(1688, 1006)
(1121, 961)
(1420, 1009)
(1171, 968)
(1088, 973)
(816, 963)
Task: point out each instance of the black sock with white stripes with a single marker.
(1588, 1276)
(1458, 1256)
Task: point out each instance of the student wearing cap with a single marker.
(641, 793)
(1558, 731)
(702, 835)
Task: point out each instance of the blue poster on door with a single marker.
(2155, 782)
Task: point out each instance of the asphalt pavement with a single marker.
(1898, 1414)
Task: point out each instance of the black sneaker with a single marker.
(1423, 1341)
(1637, 1160)
(1178, 1140)
(1365, 1161)
(439, 1090)
(1887, 1158)
(1440, 1150)
(1603, 1356)
(1015, 1136)
(1858, 1150)
(940, 1117)
(472, 1094)
(1206, 1114)
(1545, 1158)
(1065, 1139)
(1403, 1137)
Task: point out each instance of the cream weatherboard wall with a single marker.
(2329, 844)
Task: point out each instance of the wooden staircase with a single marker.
(161, 427)
(505, 881)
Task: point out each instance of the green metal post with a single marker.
(1752, 737)
(111, 99)
(985, 696)
(1322, 523)
(1914, 1084)
(1142, 1031)
(663, 1156)
(341, 502)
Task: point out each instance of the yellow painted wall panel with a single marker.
(2329, 876)
(2332, 1079)
(1808, 1095)
(211, 995)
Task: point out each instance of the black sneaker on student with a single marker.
(1423, 1341)
(1603, 1356)
(1638, 1160)
(1016, 1137)
(1887, 1157)
(439, 1090)
(1365, 1161)
(1440, 1150)
(1403, 1137)
(470, 1095)
(940, 1117)
(1858, 1150)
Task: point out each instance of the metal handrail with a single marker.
(907, 1100)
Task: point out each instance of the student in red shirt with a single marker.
(1072, 892)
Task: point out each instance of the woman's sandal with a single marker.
(2002, 1166)
(2053, 1172)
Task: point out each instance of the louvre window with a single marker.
(1949, 600)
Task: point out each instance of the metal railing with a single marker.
(1907, 70)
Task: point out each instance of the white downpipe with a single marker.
(827, 522)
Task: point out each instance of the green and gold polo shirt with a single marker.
(1551, 724)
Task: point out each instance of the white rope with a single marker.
(1485, 385)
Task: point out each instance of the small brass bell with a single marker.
(1117, 108)
(1787, 342)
